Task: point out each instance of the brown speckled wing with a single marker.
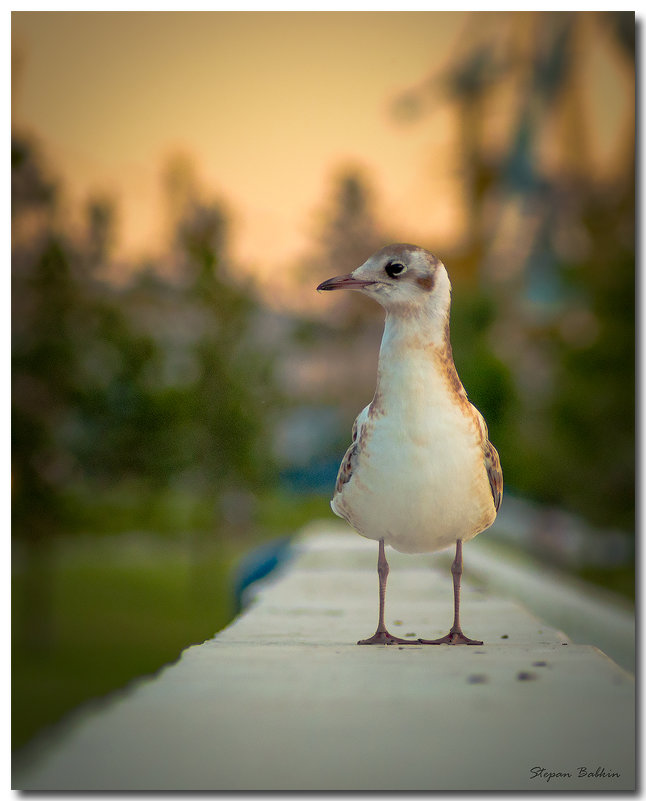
(494, 472)
(491, 460)
(345, 471)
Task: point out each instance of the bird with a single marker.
(420, 474)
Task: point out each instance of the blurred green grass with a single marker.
(619, 580)
(123, 605)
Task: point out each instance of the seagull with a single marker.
(420, 474)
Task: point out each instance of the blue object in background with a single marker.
(317, 476)
(257, 565)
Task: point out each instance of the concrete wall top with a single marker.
(283, 699)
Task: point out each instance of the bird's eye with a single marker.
(395, 268)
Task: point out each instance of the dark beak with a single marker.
(343, 282)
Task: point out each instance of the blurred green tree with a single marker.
(156, 384)
(348, 232)
(592, 453)
(46, 298)
(232, 395)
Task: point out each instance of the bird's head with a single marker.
(404, 279)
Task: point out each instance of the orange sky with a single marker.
(268, 103)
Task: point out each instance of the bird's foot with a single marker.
(454, 637)
(385, 638)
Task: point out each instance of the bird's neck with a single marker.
(416, 328)
(416, 357)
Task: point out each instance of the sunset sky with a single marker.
(268, 104)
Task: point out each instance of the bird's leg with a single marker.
(455, 636)
(382, 636)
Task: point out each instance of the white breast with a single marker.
(418, 479)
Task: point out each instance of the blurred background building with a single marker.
(182, 182)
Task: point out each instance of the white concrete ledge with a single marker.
(283, 699)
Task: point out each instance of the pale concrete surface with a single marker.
(587, 614)
(283, 699)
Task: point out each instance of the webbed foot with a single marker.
(385, 638)
(454, 637)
